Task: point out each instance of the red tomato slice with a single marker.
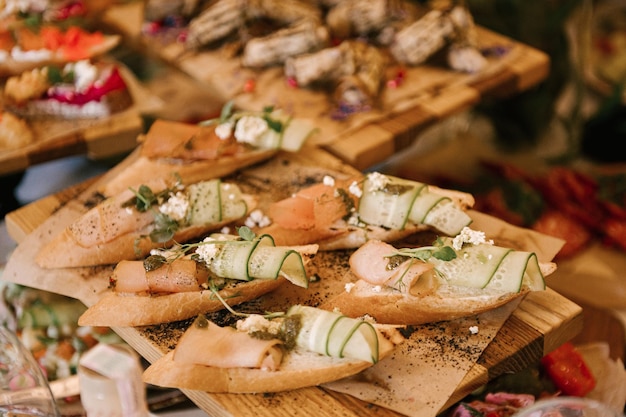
(568, 370)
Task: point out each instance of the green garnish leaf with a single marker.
(246, 233)
(273, 124)
(164, 228)
(227, 111)
(445, 253)
(153, 262)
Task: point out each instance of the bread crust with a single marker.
(63, 251)
(298, 370)
(121, 310)
(393, 307)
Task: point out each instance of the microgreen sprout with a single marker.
(267, 315)
(438, 251)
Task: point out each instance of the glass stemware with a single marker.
(24, 390)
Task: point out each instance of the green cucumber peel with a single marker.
(333, 334)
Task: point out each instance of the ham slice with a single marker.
(180, 275)
(371, 264)
(205, 343)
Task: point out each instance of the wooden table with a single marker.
(542, 321)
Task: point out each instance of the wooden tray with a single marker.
(430, 94)
(540, 323)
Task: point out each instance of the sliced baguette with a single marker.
(299, 369)
(438, 303)
(115, 309)
(150, 163)
(65, 250)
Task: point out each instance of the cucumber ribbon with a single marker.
(491, 267)
(394, 202)
(258, 258)
(333, 334)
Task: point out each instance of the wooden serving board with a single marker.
(429, 94)
(440, 363)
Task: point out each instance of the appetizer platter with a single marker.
(404, 97)
(62, 91)
(436, 363)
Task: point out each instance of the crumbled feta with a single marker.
(349, 286)
(377, 288)
(328, 180)
(208, 251)
(176, 206)
(85, 74)
(355, 190)
(258, 323)
(473, 329)
(257, 218)
(354, 220)
(468, 235)
(249, 129)
(224, 130)
(377, 181)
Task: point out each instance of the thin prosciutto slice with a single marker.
(205, 343)
(180, 275)
(371, 263)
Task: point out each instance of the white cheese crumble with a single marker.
(328, 180)
(207, 252)
(176, 206)
(85, 74)
(257, 218)
(377, 181)
(468, 235)
(224, 130)
(473, 329)
(258, 323)
(355, 189)
(349, 286)
(249, 129)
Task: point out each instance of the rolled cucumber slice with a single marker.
(399, 201)
(390, 206)
(259, 258)
(205, 202)
(214, 201)
(296, 134)
(234, 256)
(332, 334)
(491, 267)
(269, 262)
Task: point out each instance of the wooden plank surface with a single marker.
(541, 322)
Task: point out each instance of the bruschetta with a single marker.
(344, 214)
(210, 149)
(24, 48)
(304, 347)
(77, 90)
(187, 280)
(455, 277)
(134, 222)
